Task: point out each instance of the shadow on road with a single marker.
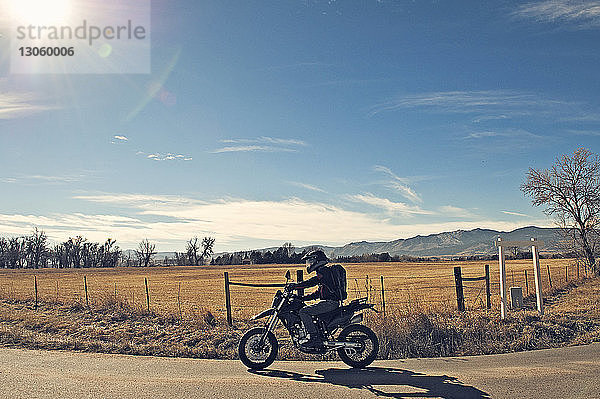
(380, 381)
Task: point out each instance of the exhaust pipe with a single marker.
(338, 344)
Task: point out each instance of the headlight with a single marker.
(276, 300)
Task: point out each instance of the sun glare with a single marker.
(40, 11)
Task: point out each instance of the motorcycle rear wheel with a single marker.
(254, 355)
(363, 356)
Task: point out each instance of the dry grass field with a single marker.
(192, 290)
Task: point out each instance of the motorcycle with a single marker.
(356, 344)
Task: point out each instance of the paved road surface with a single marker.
(555, 373)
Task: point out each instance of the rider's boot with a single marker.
(313, 342)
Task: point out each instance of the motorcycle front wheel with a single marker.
(255, 355)
(369, 346)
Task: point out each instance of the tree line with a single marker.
(286, 254)
(34, 251)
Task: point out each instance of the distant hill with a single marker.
(453, 243)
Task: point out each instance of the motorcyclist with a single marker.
(329, 299)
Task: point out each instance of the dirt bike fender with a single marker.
(264, 313)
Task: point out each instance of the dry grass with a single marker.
(112, 325)
(572, 317)
(114, 329)
(409, 287)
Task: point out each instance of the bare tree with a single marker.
(36, 246)
(145, 253)
(110, 253)
(16, 253)
(570, 191)
(74, 249)
(193, 251)
(180, 258)
(289, 249)
(3, 252)
(207, 248)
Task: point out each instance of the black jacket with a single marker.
(324, 279)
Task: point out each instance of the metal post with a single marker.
(300, 278)
(526, 284)
(488, 291)
(549, 276)
(147, 294)
(87, 302)
(179, 298)
(460, 298)
(36, 291)
(227, 299)
(501, 261)
(537, 275)
(382, 296)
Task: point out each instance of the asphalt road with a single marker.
(555, 373)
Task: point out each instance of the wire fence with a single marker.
(187, 292)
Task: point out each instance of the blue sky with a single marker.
(305, 121)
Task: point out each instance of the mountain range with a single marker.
(453, 243)
(447, 244)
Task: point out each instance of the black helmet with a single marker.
(314, 260)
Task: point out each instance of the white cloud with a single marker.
(261, 144)
(268, 140)
(505, 102)
(584, 132)
(236, 223)
(252, 148)
(399, 184)
(389, 206)
(512, 133)
(486, 118)
(454, 211)
(15, 105)
(307, 186)
(514, 213)
(573, 14)
(168, 157)
(42, 179)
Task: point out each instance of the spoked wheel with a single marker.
(364, 355)
(253, 353)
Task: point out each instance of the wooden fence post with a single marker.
(526, 284)
(512, 273)
(567, 274)
(36, 291)
(577, 270)
(460, 298)
(549, 277)
(488, 288)
(227, 298)
(87, 301)
(300, 278)
(382, 296)
(147, 294)
(179, 298)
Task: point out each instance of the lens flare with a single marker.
(40, 11)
